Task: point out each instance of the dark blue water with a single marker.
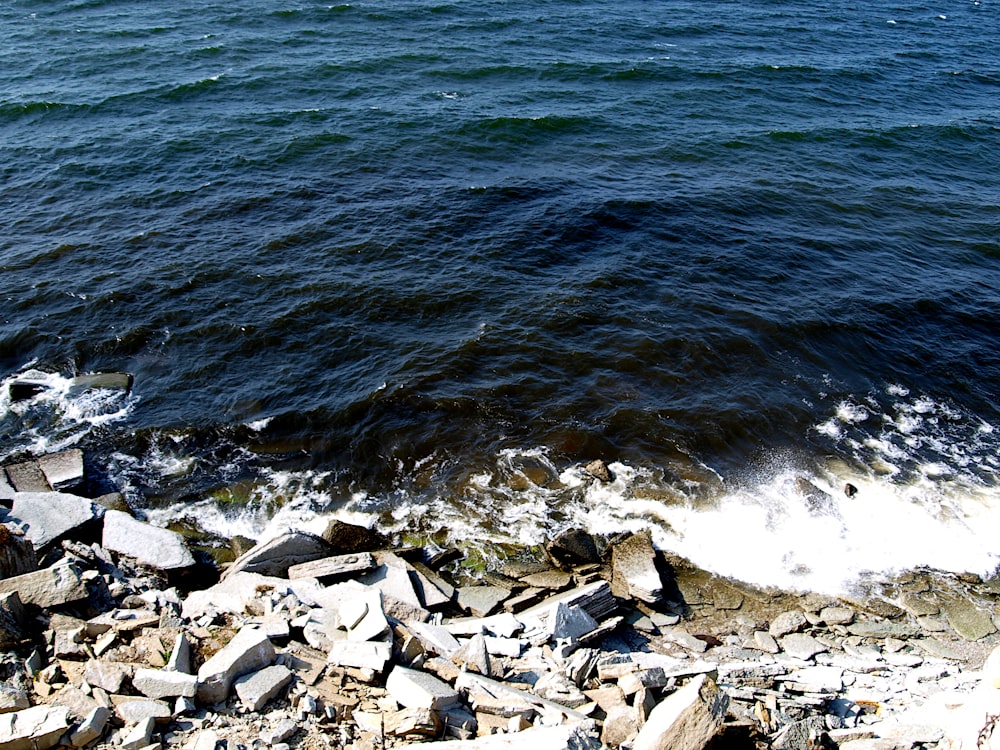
(431, 255)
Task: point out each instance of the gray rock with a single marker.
(787, 622)
(91, 728)
(968, 620)
(837, 615)
(633, 563)
(685, 720)
(27, 477)
(6, 491)
(576, 736)
(50, 587)
(47, 516)
(415, 689)
(280, 732)
(361, 654)
(570, 623)
(275, 556)
(107, 675)
(160, 683)
(434, 638)
(257, 688)
(141, 709)
(158, 548)
(621, 725)
(13, 698)
(248, 651)
(63, 470)
(36, 728)
(140, 735)
(180, 656)
(801, 646)
(481, 600)
(765, 642)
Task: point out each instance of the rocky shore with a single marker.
(115, 634)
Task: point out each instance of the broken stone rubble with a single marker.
(778, 670)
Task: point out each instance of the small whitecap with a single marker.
(259, 424)
(942, 17)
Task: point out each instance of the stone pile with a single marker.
(115, 639)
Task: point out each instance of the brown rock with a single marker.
(347, 538)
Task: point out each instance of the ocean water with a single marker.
(415, 263)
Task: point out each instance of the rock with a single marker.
(576, 736)
(347, 538)
(112, 381)
(837, 615)
(137, 710)
(685, 720)
(765, 642)
(27, 477)
(787, 622)
(415, 689)
(966, 619)
(573, 547)
(36, 728)
(13, 698)
(633, 562)
(333, 567)
(180, 655)
(801, 645)
(801, 735)
(47, 516)
(91, 728)
(621, 725)
(17, 554)
(474, 656)
(280, 732)
(363, 617)
(599, 470)
(63, 470)
(49, 587)
(107, 675)
(481, 600)
(158, 548)
(257, 688)
(549, 579)
(12, 620)
(434, 638)
(275, 556)
(399, 598)
(569, 623)
(558, 688)
(248, 651)
(140, 735)
(160, 683)
(372, 655)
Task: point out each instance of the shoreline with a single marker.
(592, 640)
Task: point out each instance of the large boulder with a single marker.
(50, 587)
(35, 728)
(346, 538)
(48, 516)
(685, 720)
(150, 545)
(275, 556)
(248, 651)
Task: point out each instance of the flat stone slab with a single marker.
(160, 683)
(481, 600)
(36, 728)
(150, 545)
(46, 516)
(968, 620)
(415, 689)
(801, 645)
(63, 470)
(27, 477)
(257, 688)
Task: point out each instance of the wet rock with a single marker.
(573, 547)
(347, 538)
(685, 720)
(36, 728)
(968, 620)
(50, 587)
(275, 556)
(633, 563)
(599, 470)
(48, 516)
(248, 651)
(113, 381)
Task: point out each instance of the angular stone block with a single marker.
(63, 470)
(49, 587)
(27, 477)
(257, 688)
(47, 516)
(249, 651)
(275, 556)
(152, 546)
(415, 689)
(685, 720)
(36, 728)
(160, 683)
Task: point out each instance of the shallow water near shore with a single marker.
(416, 265)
